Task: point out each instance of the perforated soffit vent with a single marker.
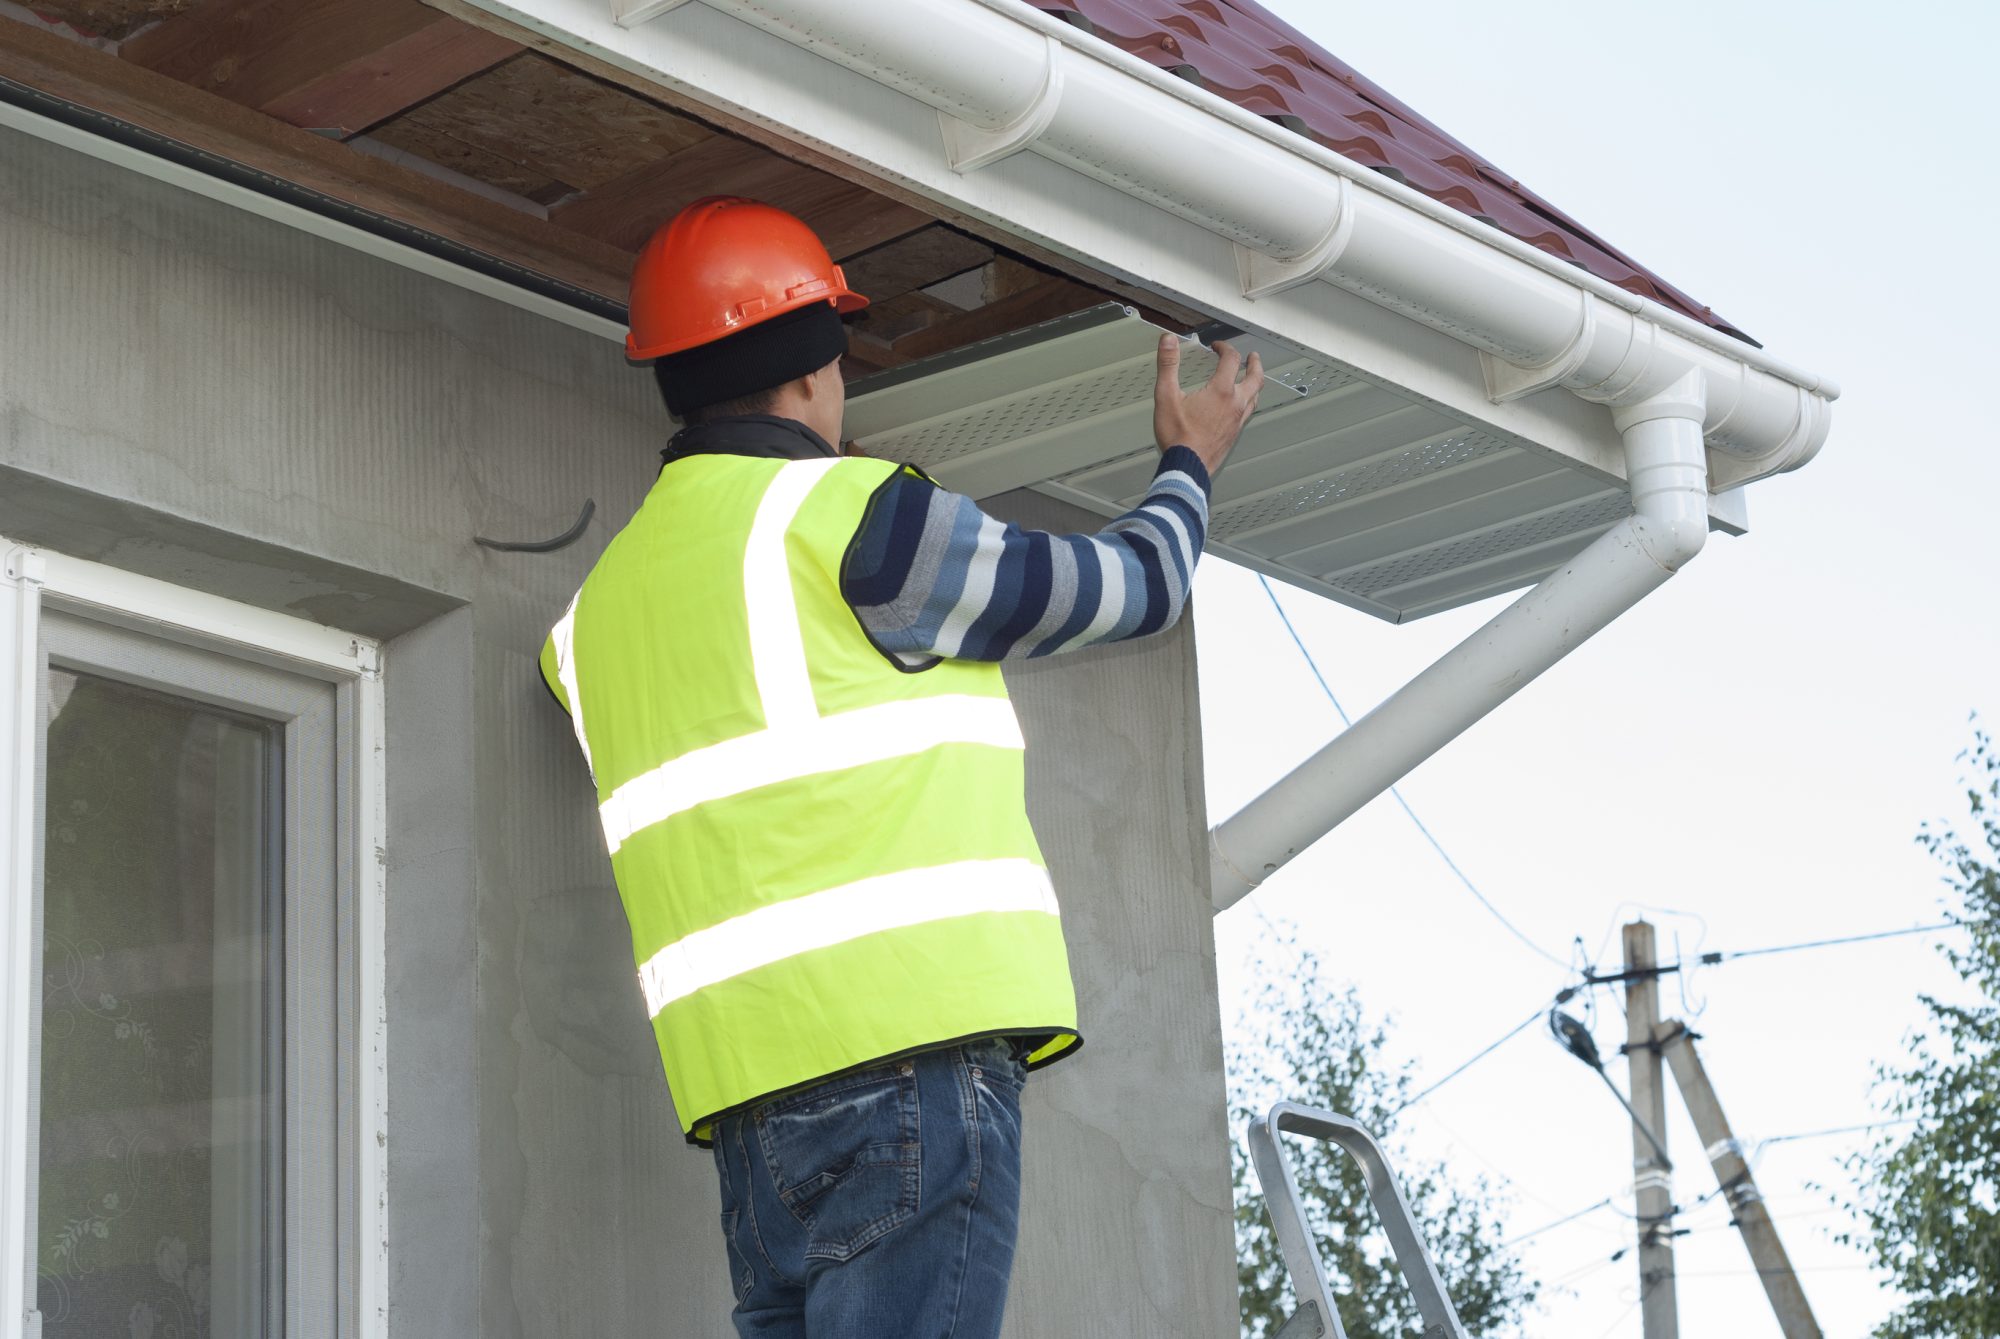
(1340, 486)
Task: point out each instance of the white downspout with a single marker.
(1667, 470)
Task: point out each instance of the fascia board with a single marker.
(742, 72)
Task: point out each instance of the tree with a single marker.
(1306, 1039)
(1927, 1198)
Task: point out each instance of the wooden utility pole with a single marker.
(1652, 1184)
(1732, 1173)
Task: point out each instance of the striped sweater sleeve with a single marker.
(929, 575)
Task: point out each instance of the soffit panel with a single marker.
(1341, 485)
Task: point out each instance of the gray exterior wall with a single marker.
(208, 397)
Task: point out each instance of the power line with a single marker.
(1843, 1129)
(1604, 1203)
(1710, 959)
(1437, 846)
(1485, 1051)
(1593, 978)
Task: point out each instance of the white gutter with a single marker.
(1006, 78)
(1668, 472)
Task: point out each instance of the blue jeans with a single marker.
(881, 1203)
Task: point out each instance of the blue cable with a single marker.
(1443, 855)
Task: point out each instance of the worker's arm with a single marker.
(929, 575)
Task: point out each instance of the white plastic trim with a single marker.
(1668, 472)
(35, 579)
(20, 623)
(630, 13)
(1276, 196)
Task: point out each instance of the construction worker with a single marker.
(783, 675)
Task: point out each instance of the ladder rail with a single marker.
(1295, 1241)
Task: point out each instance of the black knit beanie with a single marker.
(755, 358)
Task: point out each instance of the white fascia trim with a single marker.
(995, 110)
(33, 579)
(305, 220)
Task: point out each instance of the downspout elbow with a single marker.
(1666, 468)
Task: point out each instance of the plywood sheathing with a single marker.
(541, 129)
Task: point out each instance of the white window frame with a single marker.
(37, 578)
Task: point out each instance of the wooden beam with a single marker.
(321, 63)
(928, 256)
(166, 107)
(848, 218)
(402, 74)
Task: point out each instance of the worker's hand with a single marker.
(1208, 421)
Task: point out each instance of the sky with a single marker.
(1748, 754)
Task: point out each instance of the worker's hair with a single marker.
(755, 402)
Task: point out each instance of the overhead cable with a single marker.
(1485, 1051)
(1437, 846)
(1710, 959)
(1511, 1242)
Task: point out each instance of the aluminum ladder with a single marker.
(1317, 1317)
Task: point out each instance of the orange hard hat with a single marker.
(724, 264)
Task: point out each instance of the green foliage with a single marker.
(1310, 1041)
(1927, 1204)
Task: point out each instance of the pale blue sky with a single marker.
(1755, 744)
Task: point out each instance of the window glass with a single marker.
(161, 1160)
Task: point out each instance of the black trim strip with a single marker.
(168, 149)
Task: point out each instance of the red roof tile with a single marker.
(1243, 52)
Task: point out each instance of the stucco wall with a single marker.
(195, 393)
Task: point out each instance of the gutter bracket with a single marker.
(1511, 381)
(1262, 275)
(968, 147)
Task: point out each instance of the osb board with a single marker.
(547, 123)
(923, 258)
(108, 18)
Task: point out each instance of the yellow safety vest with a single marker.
(825, 859)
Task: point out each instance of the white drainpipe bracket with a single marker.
(968, 146)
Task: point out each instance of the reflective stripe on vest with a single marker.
(835, 915)
(756, 882)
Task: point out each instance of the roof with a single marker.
(1244, 53)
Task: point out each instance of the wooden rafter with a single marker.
(153, 102)
(339, 65)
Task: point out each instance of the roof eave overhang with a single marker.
(994, 111)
